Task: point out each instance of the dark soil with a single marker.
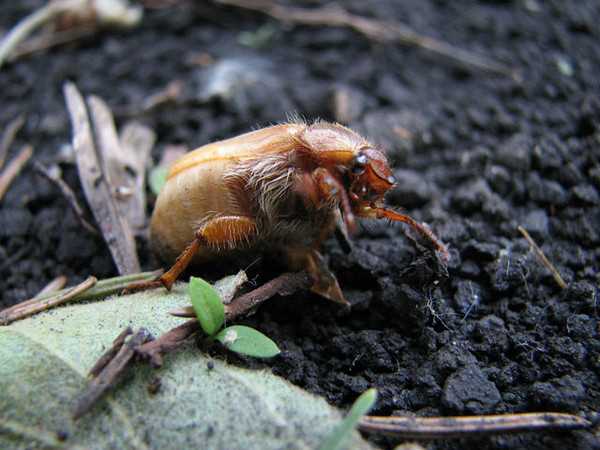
(476, 156)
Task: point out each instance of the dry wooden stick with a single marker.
(36, 305)
(55, 285)
(49, 40)
(101, 289)
(110, 353)
(542, 257)
(107, 378)
(9, 136)
(115, 229)
(52, 174)
(14, 168)
(445, 427)
(376, 30)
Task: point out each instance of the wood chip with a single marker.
(137, 141)
(13, 169)
(99, 194)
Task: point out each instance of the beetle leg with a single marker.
(325, 282)
(329, 188)
(423, 230)
(226, 231)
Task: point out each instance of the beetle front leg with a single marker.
(423, 230)
(226, 231)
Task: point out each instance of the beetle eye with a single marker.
(359, 164)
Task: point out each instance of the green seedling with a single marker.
(211, 314)
(341, 434)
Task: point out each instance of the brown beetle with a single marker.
(281, 188)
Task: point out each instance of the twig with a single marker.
(376, 30)
(49, 40)
(52, 174)
(14, 168)
(9, 136)
(30, 23)
(542, 257)
(110, 353)
(285, 284)
(97, 12)
(155, 350)
(102, 289)
(114, 227)
(36, 305)
(108, 377)
(55, 285)
(444, 427)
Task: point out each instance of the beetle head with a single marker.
(371, 177)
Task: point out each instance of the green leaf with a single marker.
(157, 178)
(342, 433)
(44, 361)
(207, 305)
(247, 341)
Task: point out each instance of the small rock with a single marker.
(491, 331)
(536, 223)
(468, 390)
(393, 91)
(348, 103)
(499, 179)
(467, 297)
(586, 193)
(14, 222)
(515, 153)
(563, 393)
(546, 192)
(396, 131)
(411, 191)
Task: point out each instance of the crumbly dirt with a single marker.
(476, 155)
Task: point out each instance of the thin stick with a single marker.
(54, 177)
(55, 285)
(109, 376)
(542, 257)
(102, 289)
(49, 40)
(110, 353)
(376, 30)
(14, 168)
(285, 284)
(29, 24)
(115, 229)
(444, 427)
(9, 136)
(27, 309)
